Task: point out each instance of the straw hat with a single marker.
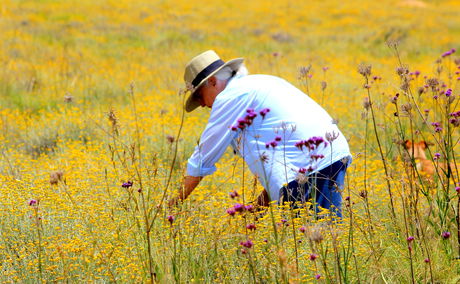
(200, 69)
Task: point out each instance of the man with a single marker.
(288, 141)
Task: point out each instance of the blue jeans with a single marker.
(325, 185)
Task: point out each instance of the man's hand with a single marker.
(189, 185)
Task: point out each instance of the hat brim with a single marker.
(192, 101)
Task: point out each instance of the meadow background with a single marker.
(91, 101)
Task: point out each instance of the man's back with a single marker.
(293, 117)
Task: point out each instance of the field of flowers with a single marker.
(94, 141)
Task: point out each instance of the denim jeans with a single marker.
(325, 185)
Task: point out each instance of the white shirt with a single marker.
(293, 116)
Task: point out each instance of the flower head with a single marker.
(247, 244)
(251, 226)
(313, 256)
(33, 202)
(264, 112)
(127, 184)
(231, 211)
(170, 219)
(445, 235)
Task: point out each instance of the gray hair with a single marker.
(226, 73)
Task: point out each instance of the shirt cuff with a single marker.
(195, 170)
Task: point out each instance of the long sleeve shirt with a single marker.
(273, 144)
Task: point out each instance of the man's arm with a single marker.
(190, 183)
(263, 199)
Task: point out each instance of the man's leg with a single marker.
(330, 183)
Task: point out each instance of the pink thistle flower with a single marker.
(171, 219)
(317, 276)
(251, 226)
(445, 235)
(238, 207)
(127, 184)
(249, 208)
(234, 194)
(231, 211)
(33, 202)
(264, 112)
(410, 239)
(247, 244)
(303, 229)
(313, 256)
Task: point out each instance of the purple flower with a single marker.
(249, 208)
(436, 124)
(302, 170)
(264, 112)
(238, 207)
(313, 256)
(448, 92)
(436, 156)
(234, 128)
(283, 221)
(325, 68)
(317, 276)
(445, 235)
(231, 211)
(247, 244)
(457, 189)
(251, 226)
(438, 129)
(33, 202)
(447, 53)
(299, 144)
(435, 97)
(171, 219)
(278, 138)
(127, 184)
(426, 260)
(317, 157)
(233, 194)
(303, 229)
(410, 239)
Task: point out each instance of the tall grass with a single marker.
(88, 159)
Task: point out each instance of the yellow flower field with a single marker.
(94, 141)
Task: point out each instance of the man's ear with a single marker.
(212, 81)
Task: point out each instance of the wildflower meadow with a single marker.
(94, 141)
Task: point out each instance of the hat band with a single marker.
(206, 71)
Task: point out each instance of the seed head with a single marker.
(401, 71)
(323, 85)
(366, 103)
(331, 136)
(365, 69)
